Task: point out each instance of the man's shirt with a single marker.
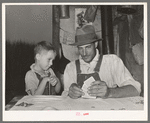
(112, 71)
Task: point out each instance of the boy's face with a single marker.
(45, 59)
(87, 52)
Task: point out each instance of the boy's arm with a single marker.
(58, 86)
(32, 84)
(41, 87)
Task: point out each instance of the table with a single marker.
(40, 102)
(13, 102)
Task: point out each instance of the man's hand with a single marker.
(98, 89)
(74, 91)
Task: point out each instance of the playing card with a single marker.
(87, 83)
(87, 96)
(84, 87)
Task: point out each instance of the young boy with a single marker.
(41, 80)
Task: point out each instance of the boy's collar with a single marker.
(34, 70)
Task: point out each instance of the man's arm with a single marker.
(100, 89)
(125, 91)
(127, 86)
(69, 77)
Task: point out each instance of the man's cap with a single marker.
(85, 35)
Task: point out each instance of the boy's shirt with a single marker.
(31, 80)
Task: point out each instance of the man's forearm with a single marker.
(125, 91)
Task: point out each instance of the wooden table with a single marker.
(61, 103)
(12, 102)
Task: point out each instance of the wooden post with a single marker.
(107, 29)
(55, 35)
(56, 27)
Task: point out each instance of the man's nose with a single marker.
(84, 52)
(50, 63)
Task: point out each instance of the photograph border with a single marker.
(72, 114)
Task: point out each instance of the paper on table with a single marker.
(42, 103)
(67, 103)
(87, 83)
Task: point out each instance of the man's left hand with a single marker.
(99, 89)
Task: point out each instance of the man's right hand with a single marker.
(74, 91)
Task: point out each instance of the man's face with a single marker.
(87, 52)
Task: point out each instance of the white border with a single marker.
(80, 3)
(71, 115)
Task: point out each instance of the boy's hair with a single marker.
(43, 45)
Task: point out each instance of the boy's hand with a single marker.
(46, 79)
(53, 80)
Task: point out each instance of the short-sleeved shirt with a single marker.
(31, 80)
(112, 71)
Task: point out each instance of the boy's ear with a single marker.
(37, 56)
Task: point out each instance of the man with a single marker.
(112, 79)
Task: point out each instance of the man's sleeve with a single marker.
(69, 77)
(123, 75)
